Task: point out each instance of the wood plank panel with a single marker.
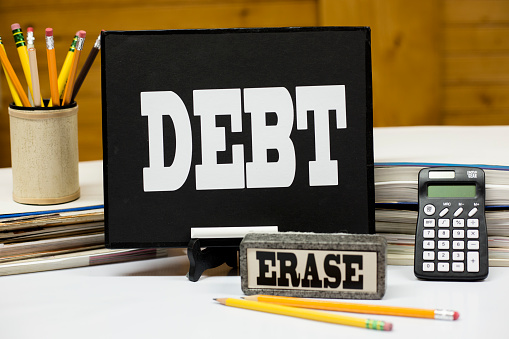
(476, 11)
(405, 55)
(67, 16)
(463, 39)
(475, 97)
(476, 62)
(465, 69)
(57, 5)
(477, 118)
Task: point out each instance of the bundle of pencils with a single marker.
(63, 87)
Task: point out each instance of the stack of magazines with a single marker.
(401, 152)
(40, 238)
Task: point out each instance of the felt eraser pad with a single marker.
(332, 265)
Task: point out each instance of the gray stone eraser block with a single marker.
(332, 265)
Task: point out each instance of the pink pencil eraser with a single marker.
(15, 26)
(82, 34)
(30, 29)
(387, 326)
(49, 31)
(456, 316)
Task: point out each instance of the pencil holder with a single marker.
(44, 154)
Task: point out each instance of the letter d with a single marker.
(157, 177)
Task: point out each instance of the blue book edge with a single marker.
(38, 213)
(436, 164)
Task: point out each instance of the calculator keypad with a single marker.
(450, 240)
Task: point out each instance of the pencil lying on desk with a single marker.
(356, 308)
(306, 314)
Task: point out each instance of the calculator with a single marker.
(451, 240)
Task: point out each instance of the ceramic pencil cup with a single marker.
(44, 154)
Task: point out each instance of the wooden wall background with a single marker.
(434, 62)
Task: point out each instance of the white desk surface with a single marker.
(154, 299)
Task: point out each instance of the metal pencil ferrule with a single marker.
(80, 43)
(444, 314)
(98, 42)
(30, 38)
(50, 42)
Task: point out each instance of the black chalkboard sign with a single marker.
(236, 127)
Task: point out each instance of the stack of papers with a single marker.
(400, 152)
(46, 237)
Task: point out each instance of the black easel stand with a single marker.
(216, 253)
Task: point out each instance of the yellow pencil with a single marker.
(52, 67)
(15, 81)
(14, 93)
(357, 308)
(306, 314)
(69, 86)
(21, 47)
(66, 67)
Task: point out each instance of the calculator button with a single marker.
(458, 222)
(458, 211)
(458, 234)
(473, 245)
(428, 255)
(428, 244)
(443, 234)
(458, 245)
(473, 261)
(443, 267)
(443, 245)
(443, 222)
(443, 212)
(459, 256)
(473, 222)
(429, 222)
(443, 255)
(458, 267)
(429, 234)
(472, 211)
(429, 209)
(473, 234)
(428, 267)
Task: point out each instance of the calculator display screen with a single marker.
(451, 191)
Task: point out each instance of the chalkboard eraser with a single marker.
(316, 265)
